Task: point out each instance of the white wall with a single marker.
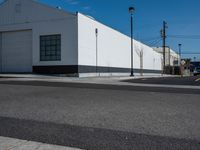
(113, 47)
(18, 15)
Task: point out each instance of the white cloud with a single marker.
(86, 7)
(77, 2)
(72, 2)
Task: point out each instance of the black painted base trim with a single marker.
(94, 69)
(68, 69)
(75, 69)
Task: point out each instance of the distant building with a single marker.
(41, 39)
(171, 57)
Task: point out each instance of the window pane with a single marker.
(50, 48)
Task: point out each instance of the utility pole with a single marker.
(179, 45)
(163, 35)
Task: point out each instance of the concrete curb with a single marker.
(16, 144)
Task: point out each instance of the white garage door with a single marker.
(16, 55)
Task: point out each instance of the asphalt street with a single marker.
(100, 117)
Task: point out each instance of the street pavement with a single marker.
(95, 116)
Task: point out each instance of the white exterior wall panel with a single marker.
(113, 48)
(111, 45)
(69, 49)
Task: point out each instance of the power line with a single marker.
(155, 42)
(185, 36)
(150, 39)
(152, 42)
(191, 53)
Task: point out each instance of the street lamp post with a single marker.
(131, 11)
(96, 33)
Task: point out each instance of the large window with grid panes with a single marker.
(50, 47)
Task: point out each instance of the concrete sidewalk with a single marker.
(91, 80)
(15, 144)
(39, 76)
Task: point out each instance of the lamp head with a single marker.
(131, 10)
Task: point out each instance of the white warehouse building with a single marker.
(35, 38)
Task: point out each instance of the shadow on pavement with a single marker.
(104, 87)
(193, 81)
(89, 138)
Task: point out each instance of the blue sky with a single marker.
(182, 16)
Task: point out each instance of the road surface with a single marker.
(91, 116)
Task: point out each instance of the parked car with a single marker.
(196, 71)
